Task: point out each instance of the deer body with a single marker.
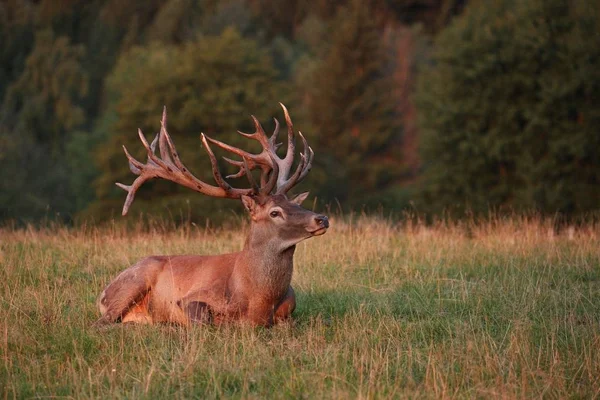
(205, 289)
(252, 285)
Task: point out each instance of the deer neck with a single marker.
(268, 264)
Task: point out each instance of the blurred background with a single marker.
(438, 106)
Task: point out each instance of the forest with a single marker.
(443, 107)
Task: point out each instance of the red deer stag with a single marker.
(252, 285)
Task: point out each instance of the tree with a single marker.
(39, 112)
(351, 106)
(508, 109)
(209, 85)
(16, 38)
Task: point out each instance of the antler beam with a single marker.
(275, 171)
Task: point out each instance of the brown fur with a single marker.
(252, 285)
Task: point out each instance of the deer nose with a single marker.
(322, 221)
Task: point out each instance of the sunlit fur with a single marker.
(252, 285)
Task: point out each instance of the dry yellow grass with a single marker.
(502, 309)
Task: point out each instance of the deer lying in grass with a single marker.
(252, 285)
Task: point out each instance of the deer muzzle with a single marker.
(322, 223)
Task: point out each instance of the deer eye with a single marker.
(275, 214)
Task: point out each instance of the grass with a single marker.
(503, 309)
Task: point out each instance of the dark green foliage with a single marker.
(352, 110)
(434, 15)
(509, 109)
(508, 106)
(78, 77)
(16, 38)
(209, 85)
(43, 100)
(39, 111)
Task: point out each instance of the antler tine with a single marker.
(308, 165)
(284, 164)
(170, 167)
(302, 169)
(150, 151)
(130, 192)
(164, 138)
(248, 166)
(259, 135)
(239, 164)
(154, 142)
(134, 165)
(253, 159)
(289, 155)
(270, 185)
(215, 167)
(288, 184)
(273, 138)
(137, 168)
(273, 167)
(309, 156)
(250, 177)
(262, 160)
(171, 154)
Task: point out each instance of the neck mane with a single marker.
(269, 266)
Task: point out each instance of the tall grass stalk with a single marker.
(497, 309)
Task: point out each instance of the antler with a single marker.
(275, 170)
(170, 167)
(268, 160)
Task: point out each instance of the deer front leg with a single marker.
(259, 316)
(260, 312)
(287, 306)
(264, 313)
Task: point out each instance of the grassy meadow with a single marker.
(503, 309)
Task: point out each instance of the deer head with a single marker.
(282, 221)
(273, 215)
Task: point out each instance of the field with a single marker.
(503, 309)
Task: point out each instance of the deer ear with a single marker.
(299, 198)
(249, 204)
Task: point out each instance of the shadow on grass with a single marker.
(436, 311)
(409, 303)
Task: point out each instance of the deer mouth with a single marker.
(318, 232)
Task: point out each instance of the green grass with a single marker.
(503, 309)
